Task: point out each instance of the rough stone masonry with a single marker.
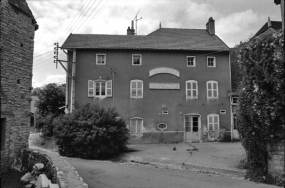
(18, 27)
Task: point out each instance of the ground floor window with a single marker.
(213, 122)
(136, 125)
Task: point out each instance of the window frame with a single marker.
(212, 82)
(214, 62)
(110, 88)
(232, 100)
(191, 89)
(91, 88)
(136, 88)
(213, 123)
(194, 61)
(136, 118)
(133, 55)
(97, 55)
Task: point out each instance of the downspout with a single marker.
(231, 108)
(67, 88)
(72, 106)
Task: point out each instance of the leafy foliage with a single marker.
(51, 98)
(92, 132)
(236, 71)
(261, 109)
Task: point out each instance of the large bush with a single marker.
(262, 99)
(92, 132)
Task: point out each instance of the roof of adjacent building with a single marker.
(161, 39)
(277, 25)
(23, 7)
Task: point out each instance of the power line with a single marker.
(75, 20)
(88, 15)
(97, 13)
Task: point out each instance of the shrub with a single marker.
(92, 132)
(45, 124)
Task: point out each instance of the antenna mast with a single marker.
(136, 19)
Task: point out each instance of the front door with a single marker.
(191, 128)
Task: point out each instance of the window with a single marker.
(212, 90)
(213, 122)
(234, 100)
(191, 61)
(100, 88)
(192, 89)
(136, 125)
(90, 88)
(136, 89)
(137, 59)
(100, 59)
(162, 126)
(211, 62)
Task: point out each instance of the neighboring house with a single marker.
(169, 86)
(33, 110)
(16, 48)
(268, 28)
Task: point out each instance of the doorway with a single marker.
(192, 127)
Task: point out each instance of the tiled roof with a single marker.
(23, 6)
(277, 25)
(161, 39)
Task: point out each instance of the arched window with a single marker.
(136, 125)
(212, 90)
(213, 122)
(136, 89)
(191, 89)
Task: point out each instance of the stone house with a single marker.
(18, 27)
(169, 86)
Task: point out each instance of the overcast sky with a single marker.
(236, 20)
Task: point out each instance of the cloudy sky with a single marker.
(236, 20)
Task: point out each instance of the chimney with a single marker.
(131, 31)
(210, 26)
(269, 22)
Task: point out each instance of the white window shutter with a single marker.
(90, 88)
(109, 91)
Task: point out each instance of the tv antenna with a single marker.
(136, 19)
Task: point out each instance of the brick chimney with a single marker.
(131, 31)
(210, 26)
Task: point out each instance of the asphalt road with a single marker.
(105, 174)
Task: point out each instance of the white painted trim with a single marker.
(89, 88)
(136, 81)
(212, 81)
(105, 59)
(215, 65)
(133, 59)
(186, 89)
(199, 124)
(193, 61)
(213, 115)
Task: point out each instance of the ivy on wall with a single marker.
(261, 110)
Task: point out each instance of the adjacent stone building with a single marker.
(18, 27)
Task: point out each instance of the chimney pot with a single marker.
(210, 26)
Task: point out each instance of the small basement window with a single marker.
(164, 111)
(223, 111)
(162, 126)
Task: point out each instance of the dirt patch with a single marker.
(11, 179)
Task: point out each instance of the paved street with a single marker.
(103, 174)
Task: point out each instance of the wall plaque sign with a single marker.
(164, 70)
(164, 86)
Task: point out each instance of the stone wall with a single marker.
(276, 162)
(16, 48)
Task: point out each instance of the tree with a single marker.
(262, 100)
(51, 99)
(236, 71)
